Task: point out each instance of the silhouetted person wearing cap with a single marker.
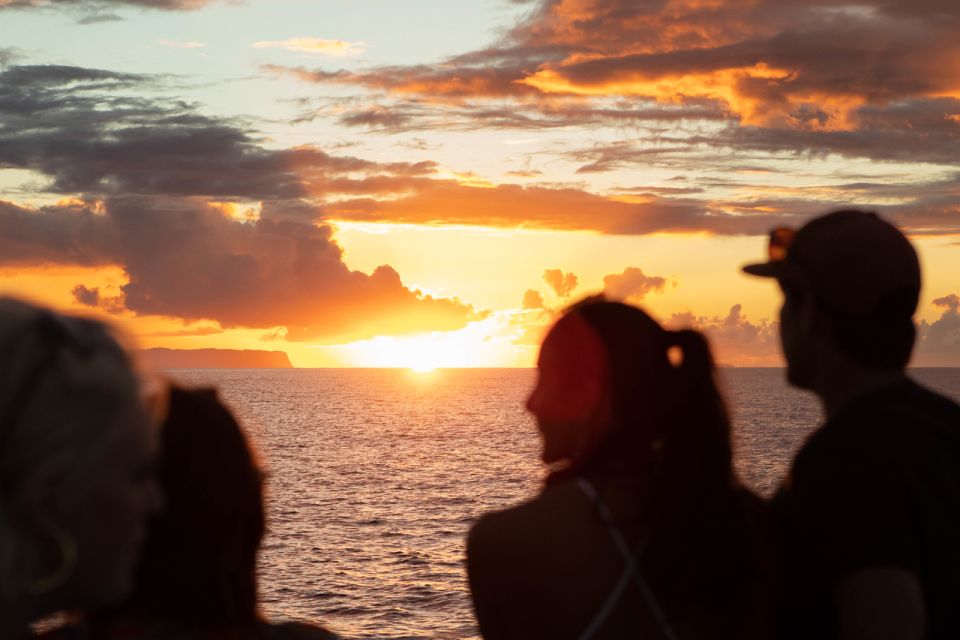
(869, 516)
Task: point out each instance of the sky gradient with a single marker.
(376, 183)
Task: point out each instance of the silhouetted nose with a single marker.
(533, 401)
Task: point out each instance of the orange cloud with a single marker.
(509, 205)
(770, 63)
(938, 342)
(632, 284)
(735, 339)
(562, 283)
(532, 300)
(184, 259)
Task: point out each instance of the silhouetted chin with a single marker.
(557, 439)
(549, 457)
(799, 378)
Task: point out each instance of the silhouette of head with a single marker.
(851, 282)
(199, 561)
(608, 394)
(571, 400)
(76, 454)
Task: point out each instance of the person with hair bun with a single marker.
(76, 466)
(642, 529)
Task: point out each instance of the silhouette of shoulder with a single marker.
(526, 532)
(877, 486)
(890, 423)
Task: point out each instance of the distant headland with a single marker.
(214, 359)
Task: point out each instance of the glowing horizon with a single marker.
(355, 197)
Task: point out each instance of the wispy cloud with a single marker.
(178, 44)
(9, 55)
(319, 46)
(98, 17)
(166, 5)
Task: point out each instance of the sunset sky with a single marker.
(424, 183)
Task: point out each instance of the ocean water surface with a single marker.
(375, 475)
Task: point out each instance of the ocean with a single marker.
(375, 475)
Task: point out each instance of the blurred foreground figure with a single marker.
(870, 512)
(76, 458)
(642, 530)
(197, 576)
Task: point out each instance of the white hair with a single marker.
(65, 383)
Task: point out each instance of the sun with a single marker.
(476, 345)
(425, 355)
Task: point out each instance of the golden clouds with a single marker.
(777, 64)
(722, 84)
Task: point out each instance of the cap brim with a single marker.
(766, 269)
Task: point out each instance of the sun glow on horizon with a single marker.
(486, 343)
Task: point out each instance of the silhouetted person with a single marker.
(197, 578)
(76, 452)
(642, 530)
(870, 512)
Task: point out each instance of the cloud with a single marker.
(53, 235)
(334, 48)
(98, 17)
(96, 137)
(532, 299)
(106, 133)
(177, 44)
(734, 338)
(9, 55)
(276, 335)
(632, 284)
(910, 130)
(938, 342)
(86, 296)
(950, 302)
(186, 259)
(828, 76)
(525, 173)
(97, 5)
(661, 191)
(509, 205)
(562, 283)
(159, 190)
(410, 111)
(200, 331)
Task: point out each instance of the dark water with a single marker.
(375, 476)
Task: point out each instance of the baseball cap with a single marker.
(854, 262)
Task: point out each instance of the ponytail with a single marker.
(693, 434)
(695, 369)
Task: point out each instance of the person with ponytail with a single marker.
(642, 529)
